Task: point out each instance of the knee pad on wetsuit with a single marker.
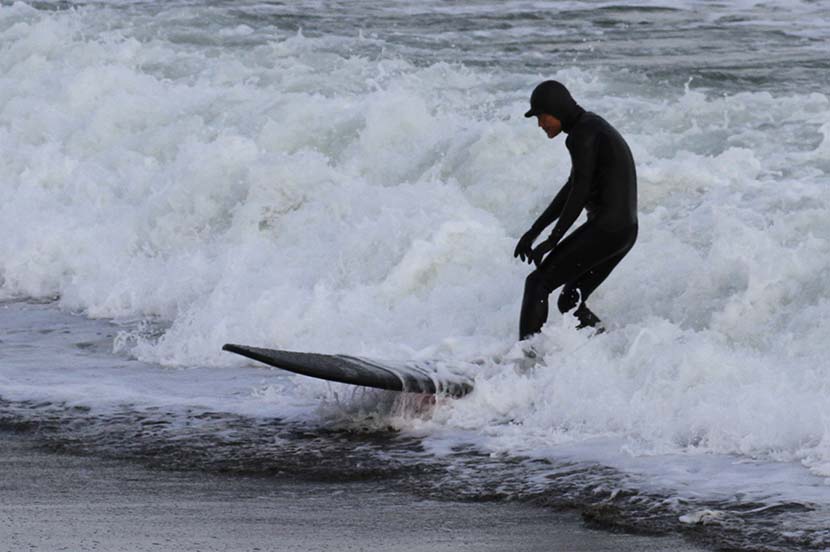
(568, 299)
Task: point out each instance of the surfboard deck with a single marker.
(433, 377)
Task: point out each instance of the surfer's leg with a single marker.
(571, 297)
(564, 264)
(592, 278)
(577, 293)
(534, 308)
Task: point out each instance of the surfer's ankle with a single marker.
(587, 319)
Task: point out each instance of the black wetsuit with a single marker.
(603, 181)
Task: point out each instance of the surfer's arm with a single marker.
(583, 157)
(524, 249)
(552, 212)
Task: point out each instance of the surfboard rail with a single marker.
(408, 377)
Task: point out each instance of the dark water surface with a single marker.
(59, 501)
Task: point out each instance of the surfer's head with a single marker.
(550, 124)
(553, 106)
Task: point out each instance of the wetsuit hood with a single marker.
(553, 98)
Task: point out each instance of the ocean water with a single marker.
(352, 177)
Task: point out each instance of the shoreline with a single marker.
(55, 500)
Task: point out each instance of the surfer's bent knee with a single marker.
(568, 299)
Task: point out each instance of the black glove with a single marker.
(524, 248)
(541, 250)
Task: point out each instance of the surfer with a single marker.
(603, 181)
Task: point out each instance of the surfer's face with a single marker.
(550, 124)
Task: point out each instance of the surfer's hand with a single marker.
(524, 249)
(541, 250)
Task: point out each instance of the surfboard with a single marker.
(428, 376)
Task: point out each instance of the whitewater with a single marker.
(353, 179)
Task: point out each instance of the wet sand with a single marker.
(54, 501)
